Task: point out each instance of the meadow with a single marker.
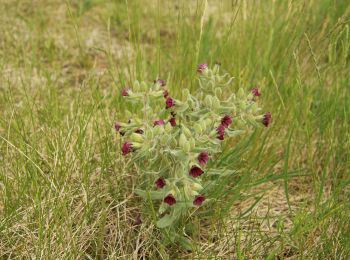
(66, 191)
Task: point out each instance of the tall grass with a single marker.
(64, 189)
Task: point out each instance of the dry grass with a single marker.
(65, 191)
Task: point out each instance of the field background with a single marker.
(64, 189)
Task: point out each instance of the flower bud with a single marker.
(203, 158)
(267, 119)
(158, 122)
(226, 121)
(256, 92)
(125, 92)
(117, 126)
(221, 132)
(195, 171)
(172, 121)
(202, 68)
(198, 200)
(165, 93)
(160, 183)
(160, 82)
(169, 102)
(127, 148)
(170, 200)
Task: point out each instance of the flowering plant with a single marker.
(173, 142)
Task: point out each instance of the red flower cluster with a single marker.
(170, 200)
(125, 92)
(202, 67)
(198, 200)
(165, 93)
(158, 122)
(256, 92)
(160, 82)
(126, 148)
(195, 171)
(172, 121)
(117, 126)
(221, 132)
(267, 119)
(225, 123)
(160, 183)
(203, 158)
(169, 102)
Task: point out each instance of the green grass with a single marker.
(65, 191)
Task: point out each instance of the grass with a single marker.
(65, 191)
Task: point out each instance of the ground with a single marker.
(65, 190)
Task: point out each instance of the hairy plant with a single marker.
(173, 142)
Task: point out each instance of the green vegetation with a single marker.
(65, 191)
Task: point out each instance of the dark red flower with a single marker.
(203, 158)
(158, 122)
(221, 132)
(160, 82)
(169, 102)
(267, 119)
(165, 93)
(170, 200)
(226, 121)
(172, 121)
(125, 92)
(202, 67)
(198, 200)
(117, 126)
(256, 92)
(126, 148)
(139, 131)
(160, 183)
(195, 171)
